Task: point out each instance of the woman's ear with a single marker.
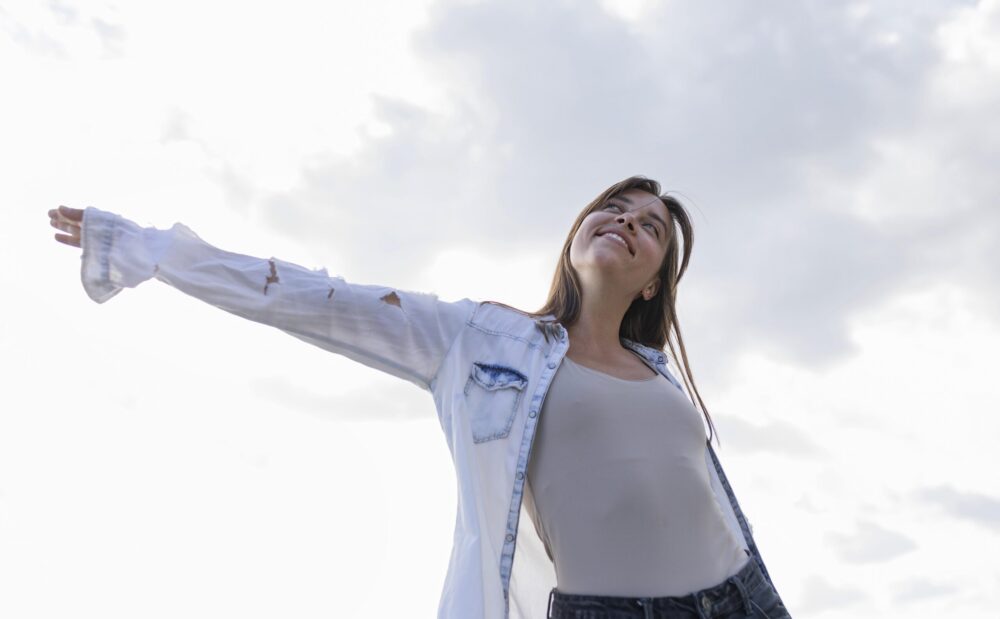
(650, 291)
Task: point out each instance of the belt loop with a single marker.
(548, 612)
(743, 593)
(699, 605)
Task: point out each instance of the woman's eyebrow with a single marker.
(651, 213)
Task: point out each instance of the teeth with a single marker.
(616, 237)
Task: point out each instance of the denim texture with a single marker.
(743, 595)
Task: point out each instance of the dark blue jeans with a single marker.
(743, 595)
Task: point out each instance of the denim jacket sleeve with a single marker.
(403, 333)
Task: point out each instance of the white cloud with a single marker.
(840, 313)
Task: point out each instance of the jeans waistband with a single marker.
(729, 595)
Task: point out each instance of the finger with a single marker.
(58, 215)
(68, 240)
(65, 227)
(65, 224)
(74, 214)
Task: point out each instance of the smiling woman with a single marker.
(642, 291)
(629, 501)
(606, 455)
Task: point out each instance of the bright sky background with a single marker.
(162, 458)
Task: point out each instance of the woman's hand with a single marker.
(68, 220)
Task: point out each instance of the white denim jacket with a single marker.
(487, 367)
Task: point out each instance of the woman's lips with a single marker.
(616, 242)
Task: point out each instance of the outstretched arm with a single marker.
(404, 333)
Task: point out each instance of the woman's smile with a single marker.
(617, 240)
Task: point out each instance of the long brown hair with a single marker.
(646, 322)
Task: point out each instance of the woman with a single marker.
(633, 514)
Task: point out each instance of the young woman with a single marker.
(569, 415)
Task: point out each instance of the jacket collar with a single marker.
(652, 355)
(547, 325)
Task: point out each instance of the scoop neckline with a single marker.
(606, 375)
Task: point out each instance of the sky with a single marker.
(162, 458)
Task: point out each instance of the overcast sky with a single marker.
(162, 458)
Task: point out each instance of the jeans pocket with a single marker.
(492, 396)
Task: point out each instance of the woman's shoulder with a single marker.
(498, 316)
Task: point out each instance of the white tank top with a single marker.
(618, 490)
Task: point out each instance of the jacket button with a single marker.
(552, 364)
(510, 538)
(531, 414)
(660, 359)
(520, 475)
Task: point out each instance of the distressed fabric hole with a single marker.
(392, 299)
(272, 278)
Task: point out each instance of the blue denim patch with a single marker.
(492, 396)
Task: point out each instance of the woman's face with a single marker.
(642, 221)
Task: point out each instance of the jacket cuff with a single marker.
(115, 254)
(96, 233)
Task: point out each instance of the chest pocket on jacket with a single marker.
(492, 395)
